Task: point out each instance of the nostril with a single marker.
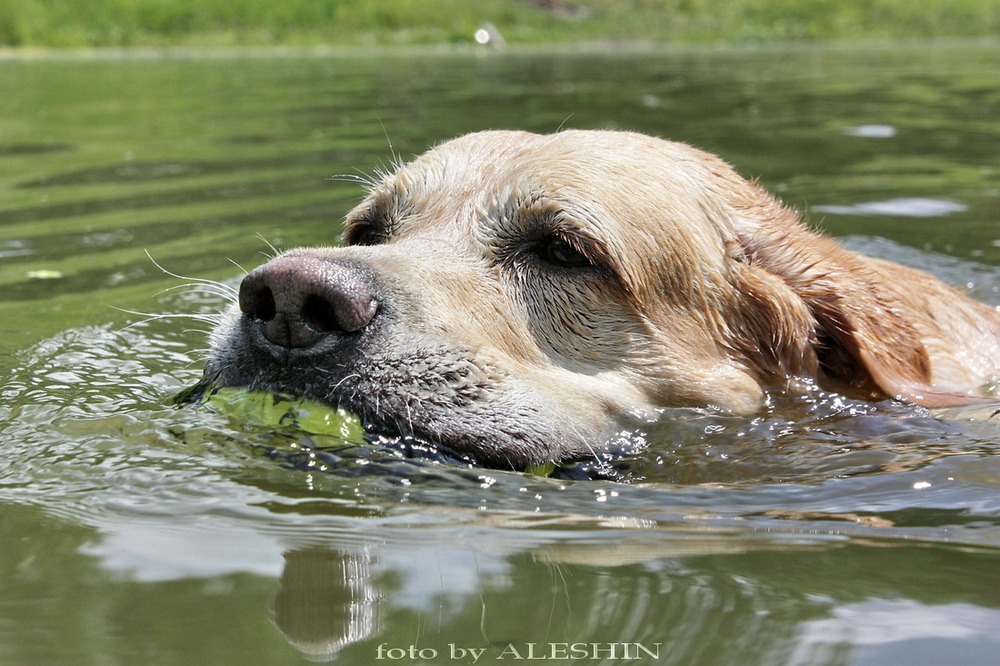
(258, 302)
(319, 314)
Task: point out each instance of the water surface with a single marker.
(824, 531)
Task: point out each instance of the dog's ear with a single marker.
(862, 340)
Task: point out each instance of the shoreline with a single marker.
(637, 47)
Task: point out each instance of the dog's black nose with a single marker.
(297, 300)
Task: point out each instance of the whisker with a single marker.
(191, 280)
(148, 317)
(396, 159)
(237, 264)
(199, 331)
(215, 288)
(409, 416)
(360, 178)
(274, 251)
(383, 171)
(345, 378)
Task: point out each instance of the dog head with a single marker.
(520, 298)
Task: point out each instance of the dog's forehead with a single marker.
(662, 204)
(647, 201)
(622, 170)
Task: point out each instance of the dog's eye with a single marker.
(365, 234)
(560, 252)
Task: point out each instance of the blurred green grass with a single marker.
(215, 23)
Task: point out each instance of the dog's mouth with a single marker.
(328, 428)
(339, 433)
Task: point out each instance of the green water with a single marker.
(135, 533)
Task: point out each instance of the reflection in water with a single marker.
(687, 598)
(328, 599)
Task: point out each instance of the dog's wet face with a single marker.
(519, 298)
(486, 299)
